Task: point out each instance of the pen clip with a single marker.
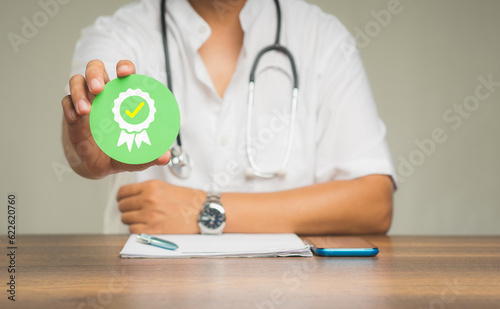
(145, 238)
(158, 242)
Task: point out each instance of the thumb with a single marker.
(124, 167)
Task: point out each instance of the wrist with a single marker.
(197, 199)
(212, 217)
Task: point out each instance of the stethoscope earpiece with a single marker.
(249, 173)
(281, 173)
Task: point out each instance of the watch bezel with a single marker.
(205, 229)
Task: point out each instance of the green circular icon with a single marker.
(135, 119)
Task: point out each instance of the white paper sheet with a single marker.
(225, 245)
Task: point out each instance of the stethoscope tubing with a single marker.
(182, 159)
(293, 113)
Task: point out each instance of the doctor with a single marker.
(339, 176)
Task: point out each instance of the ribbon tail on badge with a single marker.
(142, 137)
(126, 138)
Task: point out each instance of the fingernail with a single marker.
(73, 114)
(95, 84)
(122, 69)
(82, 105)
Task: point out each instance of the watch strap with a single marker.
(213, 198)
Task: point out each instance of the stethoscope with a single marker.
(180, 164)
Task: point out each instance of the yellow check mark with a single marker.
(137, 109)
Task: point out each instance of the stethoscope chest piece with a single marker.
(180, 164)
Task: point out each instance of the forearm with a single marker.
(359, 206)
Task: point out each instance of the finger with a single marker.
(128, 191)
(138, 228)
(131, 203)
(133, 217)
(79, 95)
(96, 76)
(125, 68)
(122, 167)
(69, 111)
(164, 159)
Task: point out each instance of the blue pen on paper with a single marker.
(157, 242)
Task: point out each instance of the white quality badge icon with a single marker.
(137, 131)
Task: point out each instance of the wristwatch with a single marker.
(212, 217)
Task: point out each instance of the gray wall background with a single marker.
(423, 64)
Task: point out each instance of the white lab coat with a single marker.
(339, 135)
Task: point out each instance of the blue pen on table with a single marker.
(157, 242)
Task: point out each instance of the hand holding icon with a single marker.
(81, 149)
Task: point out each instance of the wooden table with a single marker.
(409, 272)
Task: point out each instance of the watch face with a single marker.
(212, 217)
